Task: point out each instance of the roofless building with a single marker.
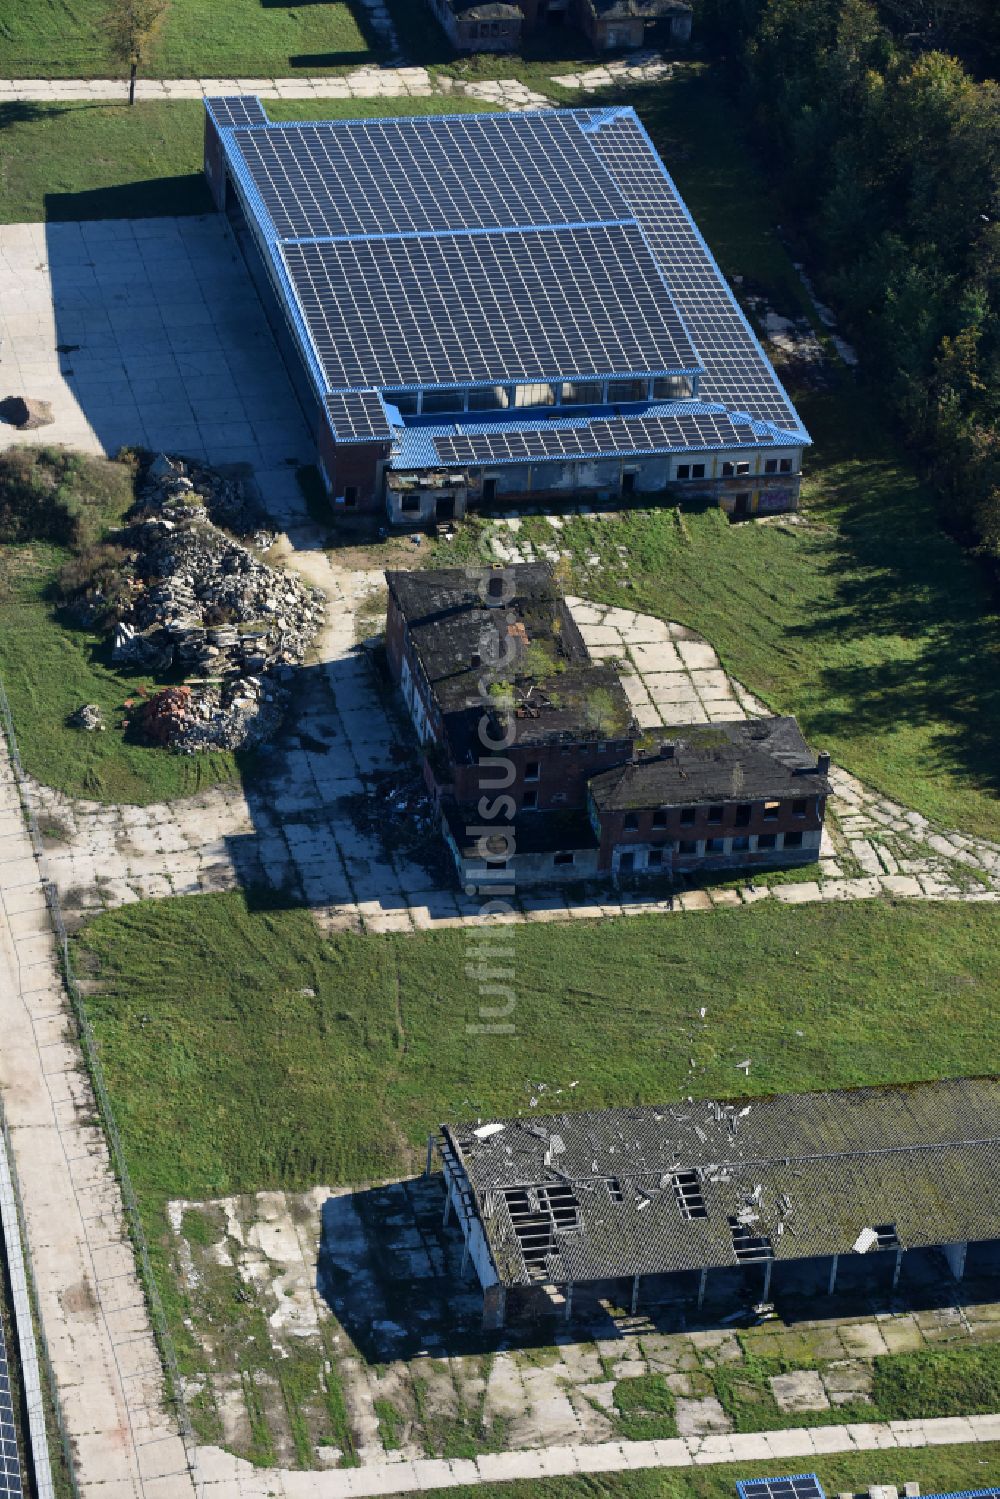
(569, 1200)
(488, 307)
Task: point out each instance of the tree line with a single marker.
(881, 125)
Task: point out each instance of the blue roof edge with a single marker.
(743, 1483)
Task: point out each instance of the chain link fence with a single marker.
(133, 1217)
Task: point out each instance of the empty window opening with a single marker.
(688, 815)
(654, 859)
(563, 858)
(351, 495)
(660, 817)
(887, 1236)
(743, 814)
(529, 800)
(793, 840)
(628, 482)
(771, 466)
(673, 388)
(741, 844)
(532, 770)
(697, 471)
(690, 1200)
(715, 846)
(748, 1246)
(767, 840)
(800, 806)
(631, 823)
(410, 504)
(771, 810)
(687, 846)
(715, 814)
(786, 465)
(539, 1214)
(683, 470)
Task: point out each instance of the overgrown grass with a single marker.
(936, 1469)
(50, 669)
(293, 1066)
(99, 161)
(195, 39)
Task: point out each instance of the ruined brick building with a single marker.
(537, 766)
(502, 25)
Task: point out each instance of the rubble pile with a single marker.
(87, 717)
(201, 604)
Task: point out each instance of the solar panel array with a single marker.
(518, 306)
(237, 109)
(10, 1466)
(736, 372)
(799, 1486)
(597, 438)
(358, 416)
(419, 176)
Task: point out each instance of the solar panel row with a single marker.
(736, 372)
(625, 435)
(237, 109)
(537, 305)
(357, 416)
(405, 176)
(799, 1486)
(10, 1466)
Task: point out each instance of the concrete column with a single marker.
(702, 1281)
(767, 1280)
(833, 1275)
(494, 1308)
(897, 1267)
(955, 1255)
(569, 1301)
(635, 1293)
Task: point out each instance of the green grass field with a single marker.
(194, 39)
(936, 1469)
(243, 1051)
(99, 161)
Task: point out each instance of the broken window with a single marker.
(715, 846)
(660, 817)
(771, 466)
(771, 810)
(489, 398)
(405, 401)
(654, 859)
(529, 800)
(767, 840)
(690, 1200)
(715, 814)
(687, 846)
(793, 840)
(410, 504)
(741, 844)
(683, 470)
(563, 858)
(688, 815)
(697, 471)
(532, 770)
(887, 1236)
(744, 812)
(538, 1215)
(786, 465)
(631, 823)
(800, 806)
(748, 1246)
(728, 470)
(351, 495)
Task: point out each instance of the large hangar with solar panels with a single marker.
(486, 308)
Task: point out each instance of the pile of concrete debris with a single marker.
(201, 603)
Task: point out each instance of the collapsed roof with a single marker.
(594, 1195)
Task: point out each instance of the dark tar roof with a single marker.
(527, 653)
(716, 762)
(810, 1172)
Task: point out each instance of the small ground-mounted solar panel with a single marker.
(11, 1483)
(537, 305)
(357, 416)
(737, 374)
(799, 1486)
(236, 109)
